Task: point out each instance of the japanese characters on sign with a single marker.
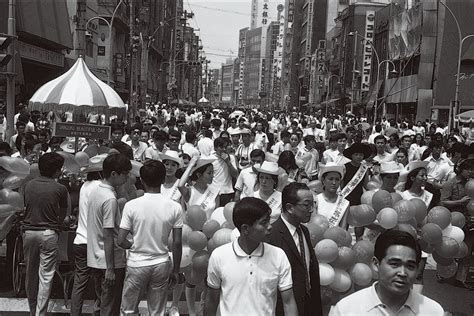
(369, 39)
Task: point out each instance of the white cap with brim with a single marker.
(173, 156)
(202, 162)
(389, 167)
(331, 167)
(268, 168)
(96, 163)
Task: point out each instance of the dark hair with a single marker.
(308, 138)
(287, 160)
(257, 153)
(207, 133)
(136, 126)
(161, 135)
(116, 162)
(410, 175)
(333, 138)
(153, 173)
(284, 134)
(123, 148)
(199, 171)
(340, 136)
(395, 237)
(220, 142)
(290, 193)
(4, 146)
(378, 128)
(467, 164)
(403, 151)
(190, 137)
(248, 211)
(116, 126)
(380, 137)
(20, 123)
(50, 163)
(175, 133)
(434, 144)
(224, 133)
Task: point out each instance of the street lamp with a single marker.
(328, 89)
(111, 38)
(458, 72)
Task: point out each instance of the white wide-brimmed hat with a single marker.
(96, 163)
(268, 168)
(331, 167)
(202, 162)
(389, 167)
(410, 167)
(173, 156)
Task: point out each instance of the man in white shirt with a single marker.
(338, 156)
(105, 258)
(224, 170)
(188, 147)
(283, 144)
(382, 154)
(160, 138)
(138, 146)
(261, 138)
(309, 156)
(243, 151)
(396, 259)
(244, 276)
(439, 168)
(245, 184)
(378, 131)
(205, 145)
(332, 149)
(149, 266)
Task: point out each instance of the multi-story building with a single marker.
(227, 83)
(242, 78)
(252, 67)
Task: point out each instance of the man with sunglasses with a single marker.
(289, 234)
(138, 146)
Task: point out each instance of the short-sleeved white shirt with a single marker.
(222, 178)
(150, 219)
(246, 182)
(248, 283)
(103, 213)
(81, 231)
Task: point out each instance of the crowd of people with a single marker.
(279, 168)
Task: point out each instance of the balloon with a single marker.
(363, 214)
(326, 251)
(404, 227)
(454, 232)
(361, 274)
(346, 258)
(70, 164)
(228, 211)
(135, 168)
(342, 281)
(431, 233)
(222, 237)
(405, 210)
(366, 197)
(396, 197)
(364, 251)
(186, 256)
(6, 210)
(200, 261)
(320, 220)
(140, 193)
(218, 215)
(426, 247)
(316, 186)
(226, 224)
(234, 235)
(372, 186)
(210, 227)
(442, 260)
(470, 207)
(326, 274)
(448, 247)
(447, 271)
(195, 217)
(463, 250)
(82, 158)
(381, 199)
(469, 188)
(13, 181)
(15, 165)
(197, 240)
(420, 209)
(439, 215)
(337, 234)
(315, 233)
(387, 218)
(348, 240)
(458, 219)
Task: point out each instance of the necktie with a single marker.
(303, 257)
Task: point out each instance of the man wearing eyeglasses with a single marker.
(138, 146)
(289, 234)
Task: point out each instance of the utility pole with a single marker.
(11, 70)
(131, 100)
(80, 28)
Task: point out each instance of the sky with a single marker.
(219, 23)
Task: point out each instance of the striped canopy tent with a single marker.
(78, 91)
(465, 117)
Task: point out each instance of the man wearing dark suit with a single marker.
(288, 234)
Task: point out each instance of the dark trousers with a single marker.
(82, 276)
(110, 296)
(226, 198)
